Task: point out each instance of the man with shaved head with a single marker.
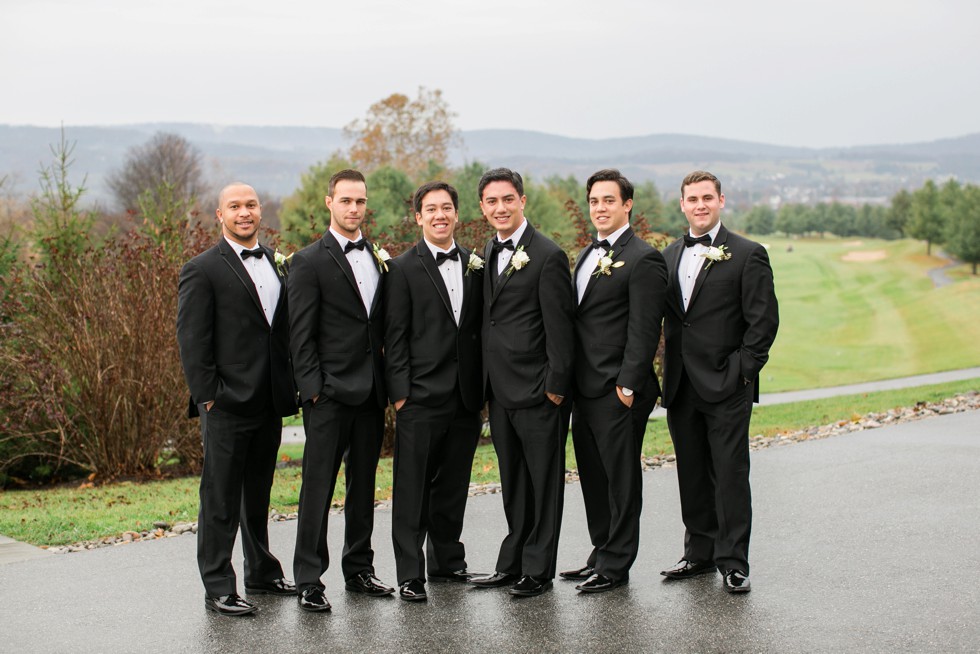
(233, 332)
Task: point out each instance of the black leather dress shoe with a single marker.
(281, 586)
(368, 584)
(313, 600)
(736, 581)
(229, 605)
(686, 569)
(530, 586)
(600, 583)
(412, 590)
(581, 574)
(496, 580)
(459, 576)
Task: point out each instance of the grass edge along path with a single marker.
(64, 515)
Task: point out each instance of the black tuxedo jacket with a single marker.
(336, 344)
(427, 356)
(730, 322)
(229, 352)
(617, 323)
(528, 338)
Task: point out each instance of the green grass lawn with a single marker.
(61, 515)
(844, 322)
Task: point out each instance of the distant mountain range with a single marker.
(274, 158)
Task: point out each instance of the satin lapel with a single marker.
(488, 269)
(432, 270)
(672, 253)
(578, 264)
(235, 263)
(271, 257)
(705, 268)
(526, 242)
(469, 280)
(617, 249)
(376, 300)
(335, 251)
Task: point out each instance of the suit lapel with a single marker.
(673, 256)
(469, 280)
(432, 270)
(335, 251)
(235, 262)
(503, 278)
(271, 258)
(376, 300)
(705, 267)
(579, 262)
(617, 249)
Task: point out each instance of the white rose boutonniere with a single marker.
(382, 257)
(716, 254)
(518, 260)
(475, 263)
(282, 262)
(606, 264)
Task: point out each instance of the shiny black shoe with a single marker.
(232, 605)
(581, 574)
(313, 600)
(412, 590)
(365, 582)
(736, 581)
(281, 586)
(458, 576)
(600, 583)
(529, 586)
(686, 569)
(496, 580)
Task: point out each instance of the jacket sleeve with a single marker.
(557, 302)
(195, 332)
(647, 295)
(398, 327)
(760, 311)
(303, 296)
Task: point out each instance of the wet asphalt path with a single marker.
(864, 542)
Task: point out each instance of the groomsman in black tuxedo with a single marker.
(528, 343)
(621, 283)
(336, 336)
(721, 320)
(433, 317)
(233, 332)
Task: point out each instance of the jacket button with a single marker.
(368, 350)
(493, 323)
(687, 324)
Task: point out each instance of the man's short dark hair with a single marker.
(700, 176)
(611, 175)
(501, 175)
(345, 174)
(429, 187)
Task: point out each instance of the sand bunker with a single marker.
(863, 256)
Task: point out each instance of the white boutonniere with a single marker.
(382, 256)
(475, 263)
(716, 254)
(518, 260)
(606, 264)
(282, 262)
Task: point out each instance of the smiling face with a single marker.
(239, 214)
(438, 218)
(348, 206)
(702, 205)
(607, 209)
(503, 207)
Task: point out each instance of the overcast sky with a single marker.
(826, 73)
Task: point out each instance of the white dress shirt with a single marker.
(592, 260)
(503, 257)
(452, 276)
(692, 258)
(365, 267)
(264, 277)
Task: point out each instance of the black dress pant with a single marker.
(711, 443)
(608, 439)
(236, 481)
(530, 446)
(337, 432)
(434, 449)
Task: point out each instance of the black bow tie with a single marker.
(257, 253)
(604, 244)
(355, 245)
(442, 256)
(506, 245)
(704, 239)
